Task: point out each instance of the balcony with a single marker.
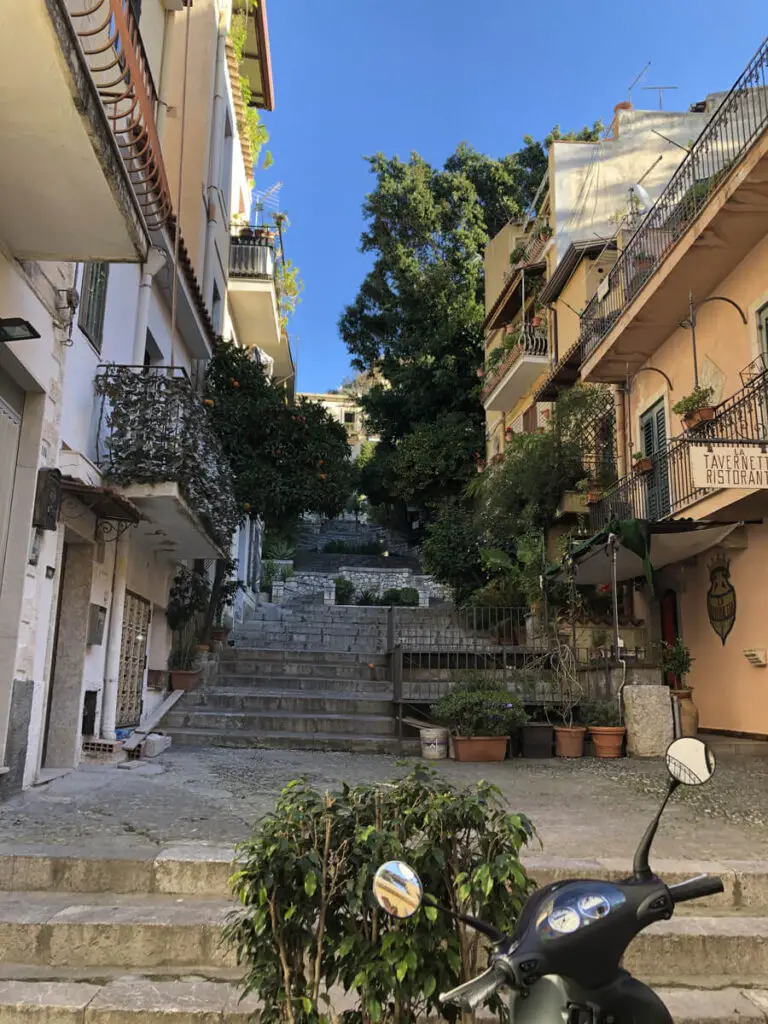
(155, 442)
(253, 297)
(525, 359)
(712, 213)
(670, 487)
(78, 103)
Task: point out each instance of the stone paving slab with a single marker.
(581, 809)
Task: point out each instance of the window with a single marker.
(653, 439)
(349, 417)
(762, 329)
(136, 8)
(225, 173)
(93, 301)
(216, 308)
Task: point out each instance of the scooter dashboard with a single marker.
(575, 906)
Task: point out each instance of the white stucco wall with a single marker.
(591, 179)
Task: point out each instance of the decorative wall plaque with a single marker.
(721, 597)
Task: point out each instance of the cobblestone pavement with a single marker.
(583, 808)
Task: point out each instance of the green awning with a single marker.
(642, 548)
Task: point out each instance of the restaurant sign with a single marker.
(737, 465)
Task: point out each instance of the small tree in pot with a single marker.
(188, 600)
(481, 722)
(567, 692)
(697, 407)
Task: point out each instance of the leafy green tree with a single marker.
(417, 320)
(286, 458)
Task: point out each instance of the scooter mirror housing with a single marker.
(398, 889)
(690, 762)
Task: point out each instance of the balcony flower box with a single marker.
(642, 466)
(693, 420)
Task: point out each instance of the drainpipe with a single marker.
(621, 431)
(162, 107)
(216, 151)
(155, 263)
(114, 640)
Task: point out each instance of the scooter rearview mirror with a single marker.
(398, 889)
(690, 762)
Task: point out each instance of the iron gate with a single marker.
(133, 660)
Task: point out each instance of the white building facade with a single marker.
(110, 475)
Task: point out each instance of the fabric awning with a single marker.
(642, 548)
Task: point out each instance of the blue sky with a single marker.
(353, 77)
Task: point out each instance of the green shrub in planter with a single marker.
(368, 597)
(406, 597)
(308, 920)
(601, 713)
(345, 590)
(480, 712)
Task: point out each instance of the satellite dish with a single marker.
(642, 197)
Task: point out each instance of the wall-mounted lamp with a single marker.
(13, 328)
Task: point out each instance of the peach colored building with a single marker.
(686, 305)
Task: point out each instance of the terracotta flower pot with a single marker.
(219, 635)
(203, 648)
(480, 748)
(694, 419)
(184, 679)
(607, 739)
(643, 466)
(569, 740)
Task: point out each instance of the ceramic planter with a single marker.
(593, 498)
(569, 740)
(643, 465)
(608, 740)
(480, 748)
(537, 740)
(692, 420)
(184, 679)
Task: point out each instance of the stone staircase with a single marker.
(313, 678)
(136, 937)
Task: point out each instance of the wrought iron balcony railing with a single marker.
(529, 341)
(252, 256)
(113, 49)
(738, 123)
(153, 428)
(669, 486)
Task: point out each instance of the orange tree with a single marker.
(287, 458)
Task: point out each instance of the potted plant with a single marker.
(676, 660)
(604, 721)
(187, 601)
(641, 463)
(481, 722)
(569, 735)
(517, 254)
(696, 408)
(181, 660)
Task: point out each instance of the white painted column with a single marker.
(114, 640)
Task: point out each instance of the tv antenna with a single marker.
(641, 75)
(661, 89)
(266, 199)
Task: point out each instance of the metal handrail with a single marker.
(531, 341)
(112, 46)
(736, 125)
(668, 487)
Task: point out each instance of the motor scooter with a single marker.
(562, 963)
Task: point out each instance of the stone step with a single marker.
(53, 930)
(196, 1000)
(326, 724)
(204, 869)
(350, 742)
(290, 683)
(263, 700)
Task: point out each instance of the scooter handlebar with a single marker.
(474, 993)
(696, 888)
